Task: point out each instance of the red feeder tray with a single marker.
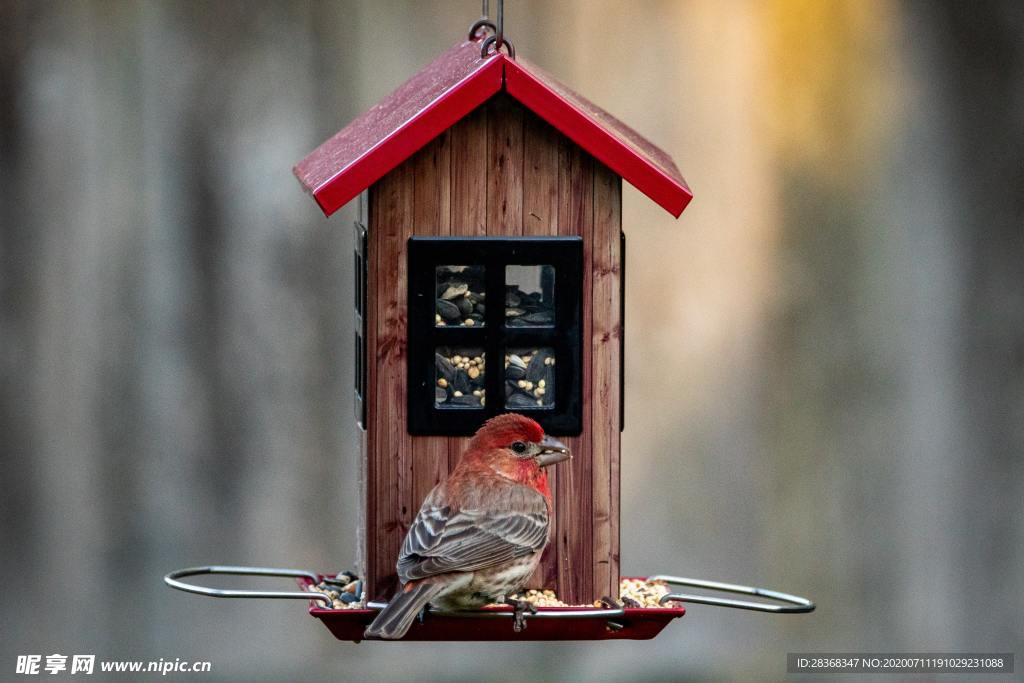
(496, 623)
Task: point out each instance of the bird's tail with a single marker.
(395, 619)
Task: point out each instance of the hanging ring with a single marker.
(492, 40)
(482, 22)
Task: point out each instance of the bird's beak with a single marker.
(552, 451)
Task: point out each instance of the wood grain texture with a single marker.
(390, 486)
(469, 175)
(540, 217)
(605, 341)
(540, 176)
(499, 171)
(468, 203)
(431, 171)
(504, 166)
(574, 529)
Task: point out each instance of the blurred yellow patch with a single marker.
(828, 91)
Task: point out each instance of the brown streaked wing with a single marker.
(443, 539)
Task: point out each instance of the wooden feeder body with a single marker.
(481, 156)
(501, 171)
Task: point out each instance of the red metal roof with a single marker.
(453, 85)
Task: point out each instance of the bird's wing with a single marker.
(444, 539)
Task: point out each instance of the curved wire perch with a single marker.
(794, 603)
(172, 580)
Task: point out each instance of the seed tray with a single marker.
(495, 623)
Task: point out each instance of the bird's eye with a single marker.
(519, 447)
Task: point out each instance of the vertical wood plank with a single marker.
(504, 166)
(391, 486)
(541, 144)
(574, 527)
(540, 217)
(468, 200)
(605, 342)
(469, 174)
(431, 216)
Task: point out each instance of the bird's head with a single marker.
(515, 441)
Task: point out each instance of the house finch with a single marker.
(479, 534)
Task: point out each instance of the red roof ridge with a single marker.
(450, 87)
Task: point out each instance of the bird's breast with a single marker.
(491, 584)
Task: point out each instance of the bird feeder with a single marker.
(489, 278)
(490, 268)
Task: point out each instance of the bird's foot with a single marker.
(519, 610)
(422, 616)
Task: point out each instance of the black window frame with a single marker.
(425, 254)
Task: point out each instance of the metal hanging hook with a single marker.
(511, 49)
(498, 39)
(483, 22)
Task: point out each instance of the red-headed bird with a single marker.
(479, 534)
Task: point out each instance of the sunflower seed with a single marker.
(445, 369)
(542, 317)
(514, 372)
(448, 310)
(518, 400)
(538, 369)
(454, 289)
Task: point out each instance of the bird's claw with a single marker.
(519, 610)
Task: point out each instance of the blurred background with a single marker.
(825, 354)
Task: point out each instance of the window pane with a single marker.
(459, 381)
(460, 296)
(530, 378)
(529, 296)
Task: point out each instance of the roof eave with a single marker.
(608, 140)
(670, 193)
(380, 159)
